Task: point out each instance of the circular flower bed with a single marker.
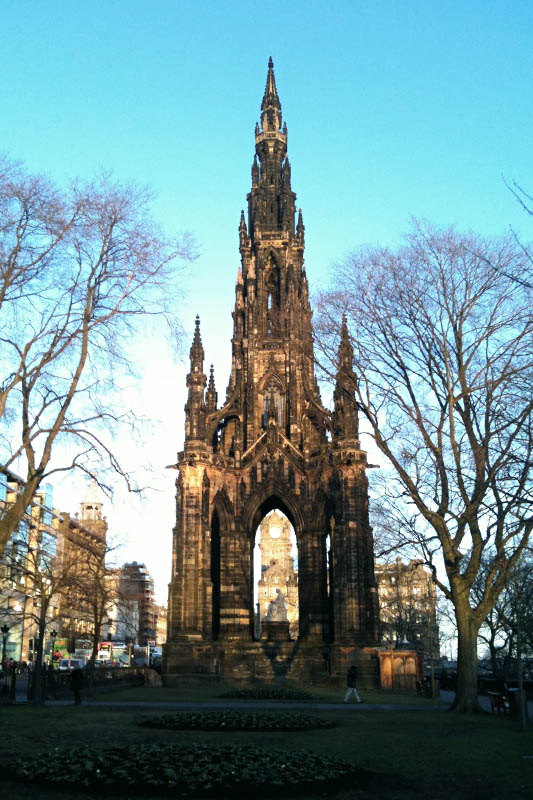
(186, 771)
(269, 693)
(237, 721)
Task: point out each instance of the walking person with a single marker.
(351, 683)
(76, 682)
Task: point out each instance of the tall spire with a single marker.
(345, 413)
(300, 227)
(271, 203)
(271, 106)
(196, 380)
(345, 353)
(197, 351)
(211, 394)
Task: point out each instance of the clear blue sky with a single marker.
(394, 109)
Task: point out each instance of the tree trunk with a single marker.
(466, 697)
(92, 660)
(39, 673)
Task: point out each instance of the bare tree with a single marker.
(80, 270)
(525, 201)
(92, 590)
(99, 590)
(508, 630)
(443, 347)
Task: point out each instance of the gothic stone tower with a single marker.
(271, 444)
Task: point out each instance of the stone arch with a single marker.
(272, 388)
(221, 426)
(269, 496)
(272, 295)
(223, 505)
(271, 375)
(325, 514)
(275, 574)
(221, 524)
(312, 578)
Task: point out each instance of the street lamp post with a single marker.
(53, 635)
(5, 633)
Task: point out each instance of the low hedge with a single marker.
(269, 693)
(237, 721)
(186, 771)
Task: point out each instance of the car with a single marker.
(67, 664)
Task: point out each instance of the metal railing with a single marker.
(18, 686)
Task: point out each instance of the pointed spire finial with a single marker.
(197, 351)
(271, 106)
(345, 411)
(211, 396)
(300, 227)
(345, 349)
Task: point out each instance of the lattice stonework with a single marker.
(270, 445)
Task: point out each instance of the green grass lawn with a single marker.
(415, 754)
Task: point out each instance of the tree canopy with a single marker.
(442, 332)
(80, 271)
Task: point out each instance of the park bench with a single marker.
(499, 703)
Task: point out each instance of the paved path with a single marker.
(264, 705)
(446, 699)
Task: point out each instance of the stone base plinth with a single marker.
(277, 631)
(273, 659)
(343, 655)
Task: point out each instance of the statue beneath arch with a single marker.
(271, 445)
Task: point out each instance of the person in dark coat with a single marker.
(76, 682)
(351, 683)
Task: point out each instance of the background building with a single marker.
(136, 584)
(89, 589)
(408, 606)
(26, 568)
(277, 568)
(54, 578)
(161, 629)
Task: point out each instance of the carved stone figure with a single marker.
(277, 610)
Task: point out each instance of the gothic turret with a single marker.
(196, 380)
(211, 394)
(345, 417)
(271, 201)
(91, 511)
(91, 505)
(271, 106)
(300, 227)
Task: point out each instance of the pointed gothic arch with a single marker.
(272, 390)
(275, 574)
(272, 295)
(272, 495)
